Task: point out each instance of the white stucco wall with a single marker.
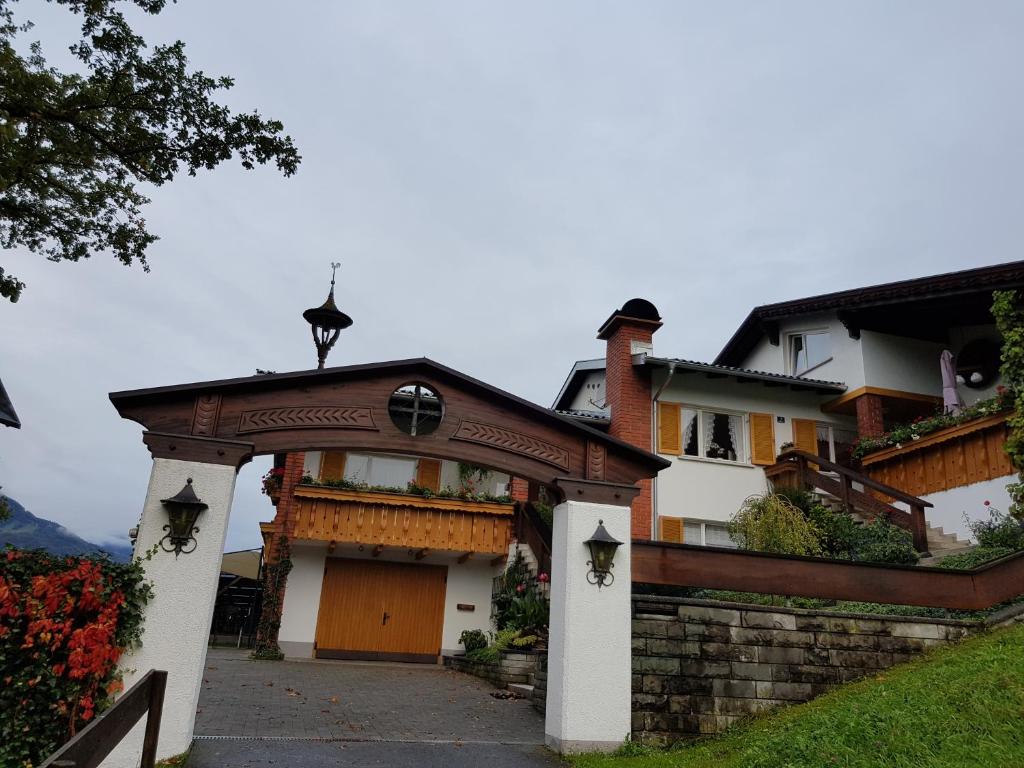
(951, 506)
(302, 599)
(589, 652)
(467, 583)
(591, 395)
(901, 363)
(177, 619)
(496, 483)
(707, 489)
(846, 365)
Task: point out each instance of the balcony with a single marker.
(376, 518)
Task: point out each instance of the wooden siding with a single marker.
(950, 458)
(393, 519)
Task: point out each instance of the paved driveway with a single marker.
(335, 713)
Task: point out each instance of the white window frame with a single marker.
(790, 362)
(699, 409)
(703, 528)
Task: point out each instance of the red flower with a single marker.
(985, 502)
(520, 588)
(543, 578)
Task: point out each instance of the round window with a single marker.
(416, 409)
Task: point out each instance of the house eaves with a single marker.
(744, 375)
(8, 417)
(574, 380)
(922, 289)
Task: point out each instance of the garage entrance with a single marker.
(381, 611)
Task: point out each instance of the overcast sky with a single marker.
(496, 179)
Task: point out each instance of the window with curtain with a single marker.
(713, 435)
(372, 469)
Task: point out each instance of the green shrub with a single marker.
(882, 542)
(473, 640)
(519, 602)
(772, 523)
(999, 531)
(500, 641)
(975, 557)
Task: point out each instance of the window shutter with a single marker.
(671, 529)
(762, 438)
(805, 435)
(669, 429)
(332, 465)
(428, 474)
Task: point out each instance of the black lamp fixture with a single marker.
(183, 510)
(602, 547)
(326, 322)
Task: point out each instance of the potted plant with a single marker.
(272, 482)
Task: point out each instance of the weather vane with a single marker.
(326, 322)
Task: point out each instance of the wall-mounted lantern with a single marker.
(602, 547)
(182, 510)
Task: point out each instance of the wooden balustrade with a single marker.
(531, 529)
(799, 469)
(396, 519)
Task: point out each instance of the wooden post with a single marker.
(919, 528)
(844, 491)
(157, 684)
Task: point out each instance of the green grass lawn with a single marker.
(958, 706)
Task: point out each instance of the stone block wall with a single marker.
(698, 666)
(511, 668)
(540, 682)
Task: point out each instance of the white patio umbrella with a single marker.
(951, 402)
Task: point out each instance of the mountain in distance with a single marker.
(26, 531)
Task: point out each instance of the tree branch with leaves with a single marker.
(76, 146)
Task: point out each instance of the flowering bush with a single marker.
(273, 480)
(923, 425)
(64, 623)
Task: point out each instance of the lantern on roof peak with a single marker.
(326, 322)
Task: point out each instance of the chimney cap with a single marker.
(638, 311)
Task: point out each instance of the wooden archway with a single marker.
(346, 408)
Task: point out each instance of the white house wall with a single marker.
(495, 483)
(846, 365)
(707, 489)
(902, 363)
(302, 600)
(951, 506)
(591, 395)
(468, 584)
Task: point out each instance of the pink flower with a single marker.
(985, 502)
(543, 578)
(520, 588)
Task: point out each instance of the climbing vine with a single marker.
(274, 579)
(1008, 311)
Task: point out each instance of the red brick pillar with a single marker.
(869, 416)
(628, 393)
(519, 489)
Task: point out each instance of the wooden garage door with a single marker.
(380, 610)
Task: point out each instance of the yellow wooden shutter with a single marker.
(762, 438)
(332, 465)
(428, 474)
(670, 438)
(672, 529)
(805, 435)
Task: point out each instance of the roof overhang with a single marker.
(8, 417)
(743, 375)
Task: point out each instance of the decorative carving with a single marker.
(596, 456)
(306, 417)
(204, 418)
(513, 442)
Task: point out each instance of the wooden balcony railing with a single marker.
(401, 520)
(799, 469)
(531, 529)
(956, 456)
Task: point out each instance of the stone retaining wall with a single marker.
(540, 682)
(699, 665)
(516, 667)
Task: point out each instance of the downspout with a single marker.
(654, 444)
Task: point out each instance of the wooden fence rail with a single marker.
(93, 743)
(730, 569)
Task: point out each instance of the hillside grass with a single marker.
(957, 706)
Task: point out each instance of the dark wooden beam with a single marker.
(464, 558)
(378, 549)
(331, 547)
(422, 553)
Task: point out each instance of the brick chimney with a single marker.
(629, 331)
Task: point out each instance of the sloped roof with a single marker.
(799, 383)
(949, 284)
(7, 415)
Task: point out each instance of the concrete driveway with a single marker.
(336, 713)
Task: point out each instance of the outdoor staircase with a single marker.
(940, 543)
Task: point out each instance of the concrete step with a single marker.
(938, 555)
(521, 689)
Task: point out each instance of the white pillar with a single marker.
(589, 657)
(177, 618)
